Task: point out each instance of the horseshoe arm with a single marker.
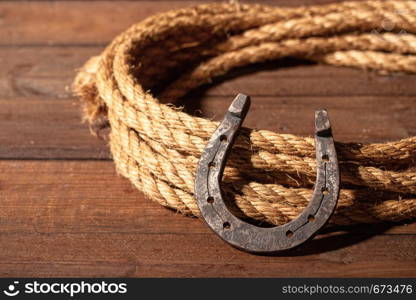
(249, 237)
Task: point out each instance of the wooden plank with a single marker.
(48, 72)
(50, 129)
(78, 22)
(75, 221)
(46, 129)
(72, 197)
(45, 72)
(197, 255)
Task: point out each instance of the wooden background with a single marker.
(65, 212)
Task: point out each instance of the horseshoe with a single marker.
(249, 237)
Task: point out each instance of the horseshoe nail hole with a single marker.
(325, 191)
(289, 233)
(325, 157)
(210, 199)
(211, 165)
(223, 138)
(311, 218)
(226, 225)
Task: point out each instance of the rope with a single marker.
(269, 176)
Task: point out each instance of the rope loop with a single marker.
(269, 175)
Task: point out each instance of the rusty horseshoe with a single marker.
(249, 237)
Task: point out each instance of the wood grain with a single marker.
(48, 72)
(63, 218)
(52, 129)
(84, 22)
(65, 212)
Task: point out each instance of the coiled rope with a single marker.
(269, 175)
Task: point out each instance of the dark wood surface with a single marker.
(65, 212)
